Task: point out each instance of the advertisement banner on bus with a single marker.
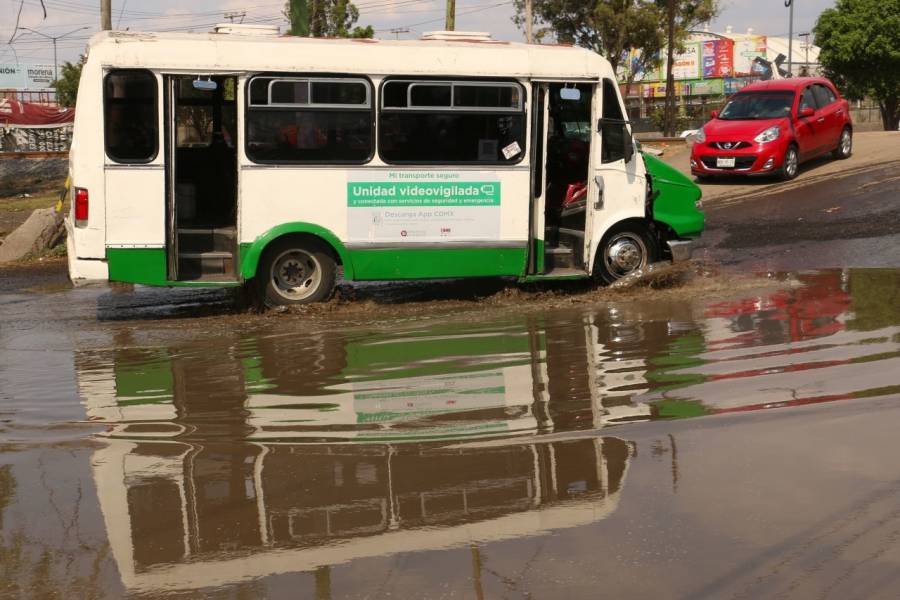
(423, 206)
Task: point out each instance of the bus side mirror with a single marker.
(713, 114)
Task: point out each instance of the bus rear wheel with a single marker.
(624, 250)
(296, 271)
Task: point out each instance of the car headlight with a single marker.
(700, 136)
(769, 135)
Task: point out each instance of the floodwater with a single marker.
(738, 447)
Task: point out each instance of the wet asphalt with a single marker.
(734, 438)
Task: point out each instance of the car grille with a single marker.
(740, 162)
(729, 145)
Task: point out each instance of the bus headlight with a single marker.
(769, 135)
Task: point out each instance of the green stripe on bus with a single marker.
(434, 263)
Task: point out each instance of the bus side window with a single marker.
(129, 116)
(309, 120)
(439, 122)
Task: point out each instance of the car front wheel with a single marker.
(790, 165)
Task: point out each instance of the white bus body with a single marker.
(214, 159)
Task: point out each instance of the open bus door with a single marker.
(201, 177)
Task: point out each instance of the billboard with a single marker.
(25, 77)
(746, 48)
(687, 63)
(717, 58)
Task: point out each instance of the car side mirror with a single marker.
(806, 111)
(713, 114)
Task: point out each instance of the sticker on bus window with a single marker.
(511, 150)
(423, 206)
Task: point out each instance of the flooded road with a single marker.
(680, 447)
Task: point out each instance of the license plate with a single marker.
(724, 162)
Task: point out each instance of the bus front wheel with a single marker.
(625, 249)
(296, 271)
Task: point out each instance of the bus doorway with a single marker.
(567, 158)
(201, 145)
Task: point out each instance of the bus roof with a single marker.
(230, 52)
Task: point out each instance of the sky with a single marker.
(78, 19)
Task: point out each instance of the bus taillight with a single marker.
(81, 206)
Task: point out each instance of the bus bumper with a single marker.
(681, 250)
(83, 270)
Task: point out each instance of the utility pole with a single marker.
(805, 36)
(529, 22)
(53, 38)
(106, 15)
(790, 4)
(450, 22)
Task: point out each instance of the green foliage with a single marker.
(608, 27)
(298, 16)
(325, 18)
(67, 84)
(860, 51)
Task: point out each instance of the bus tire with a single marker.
(295, 271)
(624, 249)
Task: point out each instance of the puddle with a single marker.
(266, 454)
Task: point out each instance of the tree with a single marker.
(608, 27)
(860, 52)
(67, 85)
(681, 17)
(325, 18)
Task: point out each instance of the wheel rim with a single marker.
(846, 142)
(296, 274)
(790, 163)
(625, 253)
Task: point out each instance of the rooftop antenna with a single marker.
(398, 30)
(237, 14)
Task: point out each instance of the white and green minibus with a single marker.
(244, 156)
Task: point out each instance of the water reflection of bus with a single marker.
(190, 515)
(525, 376)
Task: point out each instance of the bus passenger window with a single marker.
(316, 120)
(129, 116)
(452, 122)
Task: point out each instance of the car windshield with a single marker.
(758, 105)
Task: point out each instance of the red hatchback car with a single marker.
(770, 127)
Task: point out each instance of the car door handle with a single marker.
(839, 111)
(820, 120)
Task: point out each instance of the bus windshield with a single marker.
(758, 105)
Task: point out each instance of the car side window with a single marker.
(824, 96)
(807, 99)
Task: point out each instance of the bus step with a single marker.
(206, 240)
(204, 265)
(574, 239)
(559, 257)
